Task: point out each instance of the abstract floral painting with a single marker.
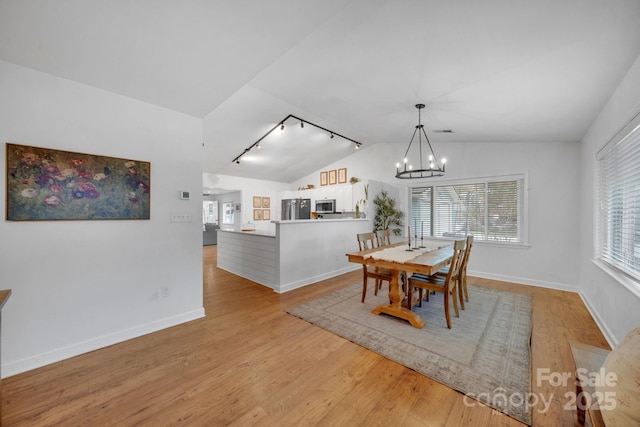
(48, 184)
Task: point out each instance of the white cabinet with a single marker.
(345, 195)
(325, 192)
(344, 200)
(286, 194)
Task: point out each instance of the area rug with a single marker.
(485, 356)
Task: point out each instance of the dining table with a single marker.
(401, 259)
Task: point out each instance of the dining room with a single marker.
(526, 100)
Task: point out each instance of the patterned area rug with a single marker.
(486, 354)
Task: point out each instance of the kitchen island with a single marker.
(300, 252)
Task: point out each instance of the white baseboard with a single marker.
(300, 283)
(561, 287)
(525, 281)
(37, 361)
(608, 335)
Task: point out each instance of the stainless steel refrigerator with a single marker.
(296, 209)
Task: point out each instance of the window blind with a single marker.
(490, 209)
(619, 197)
(421, 209)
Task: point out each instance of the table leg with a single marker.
(395, 308)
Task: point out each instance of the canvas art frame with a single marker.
(45, 184)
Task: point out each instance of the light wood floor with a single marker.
(250, 363)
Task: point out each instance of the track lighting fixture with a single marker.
(281, 125)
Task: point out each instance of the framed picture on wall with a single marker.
(332, 177)
(51, 184)
(257, 214)
(266, 214)
(342, 176)
(266, 202)
(323, 178)
(257, 201)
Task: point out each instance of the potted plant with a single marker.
(387, 216)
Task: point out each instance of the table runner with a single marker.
(402, 255)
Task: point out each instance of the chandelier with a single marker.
(427, 169)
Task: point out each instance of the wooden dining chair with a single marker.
(446, 285)
(369, 241)
(383, 237)
(463, 293)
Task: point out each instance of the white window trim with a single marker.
(492, 178)
(619, 275)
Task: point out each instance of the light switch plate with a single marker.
(180, 216)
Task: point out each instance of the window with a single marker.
(491, 209)
(228, 213)
(618, 223)
(210, 212)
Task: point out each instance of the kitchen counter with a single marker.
(300, 253)
(319, 220)
(254, 232)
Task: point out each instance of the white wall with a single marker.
(81, 285)
(551, 259)
(616, 309)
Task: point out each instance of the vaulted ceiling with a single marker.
(490, 70)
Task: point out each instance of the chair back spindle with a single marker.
(366, 241)
(383, 237)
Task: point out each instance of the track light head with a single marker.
(282, 126)
(301, 124)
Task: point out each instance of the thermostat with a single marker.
(185, 195)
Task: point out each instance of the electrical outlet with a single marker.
(164, 291)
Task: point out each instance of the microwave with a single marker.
(326, 206)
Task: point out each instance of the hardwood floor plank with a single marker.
(248, 362)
